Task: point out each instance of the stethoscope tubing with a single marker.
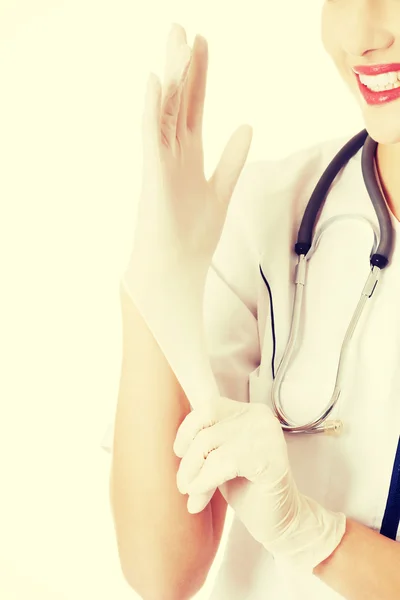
(379, 259)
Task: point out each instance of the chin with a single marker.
(383, 122)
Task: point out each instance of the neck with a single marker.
(388, 166)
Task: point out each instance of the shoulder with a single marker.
(279, 175)
(272, 192)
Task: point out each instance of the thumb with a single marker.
(231, 163)
(197, 503)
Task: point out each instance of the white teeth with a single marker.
(384, 81)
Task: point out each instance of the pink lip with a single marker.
(377, 69)
(376, 98)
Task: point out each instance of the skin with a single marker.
(367, 32)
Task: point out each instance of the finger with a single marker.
(197, 503)
(205, 443)
(181, 124)
(196, 84)
(172, 99)
(231, 163)
(151, 116)
(176, 39)
(219, 467)
(194, 422)
(182, 112)
(177, 63)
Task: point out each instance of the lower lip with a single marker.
(375, 98)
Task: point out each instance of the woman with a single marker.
(308, 508)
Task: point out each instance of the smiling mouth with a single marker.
(380, 83)
(379, 78)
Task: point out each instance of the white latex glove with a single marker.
(243, 451)
(181, 214)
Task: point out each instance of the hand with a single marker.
(181, 214)
(243, 451)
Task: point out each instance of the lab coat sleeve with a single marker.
(230, 300)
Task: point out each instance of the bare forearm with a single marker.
(158, 540)
(365, 565)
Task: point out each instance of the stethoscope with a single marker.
(379, 259)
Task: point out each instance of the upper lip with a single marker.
(376, 69)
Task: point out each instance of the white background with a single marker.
(72, 81)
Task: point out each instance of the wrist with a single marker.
(165, 286)
(175, 320)
(314, 534)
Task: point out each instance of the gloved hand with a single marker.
(181, 214)
(242, 450)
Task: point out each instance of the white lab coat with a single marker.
(351, 473)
